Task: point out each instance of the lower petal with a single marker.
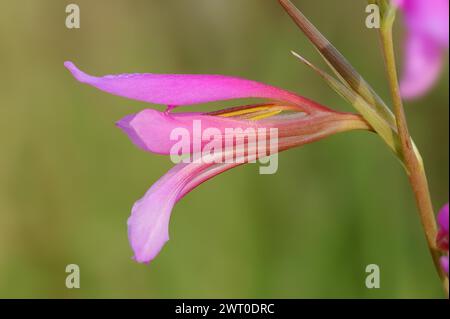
(148, 225)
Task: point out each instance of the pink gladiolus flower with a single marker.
(442, 237)
(427, 39)
(297, 120)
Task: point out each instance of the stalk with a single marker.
(411, 157)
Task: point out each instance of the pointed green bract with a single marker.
(387, 132)
(339, 63)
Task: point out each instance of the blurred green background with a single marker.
(69, 177)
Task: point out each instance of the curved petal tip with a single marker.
(77, 73)
(147, 236)
(125, 124)
(148, 225)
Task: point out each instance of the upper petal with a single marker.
(184, 89)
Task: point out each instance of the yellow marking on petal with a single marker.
(265, 115)
(244, 111)
(255, 112)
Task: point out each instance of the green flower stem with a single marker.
(411, 157)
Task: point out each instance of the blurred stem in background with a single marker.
(411, 157)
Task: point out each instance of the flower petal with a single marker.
(429, 18)
(442, 239)
(423, 64)
(443, 218)
(183, 89)
(152, 130)
(444, 263)
(148, 225)
(427, 23)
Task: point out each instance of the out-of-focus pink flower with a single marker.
(150, 130)
(442, 237)
(427, 23)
